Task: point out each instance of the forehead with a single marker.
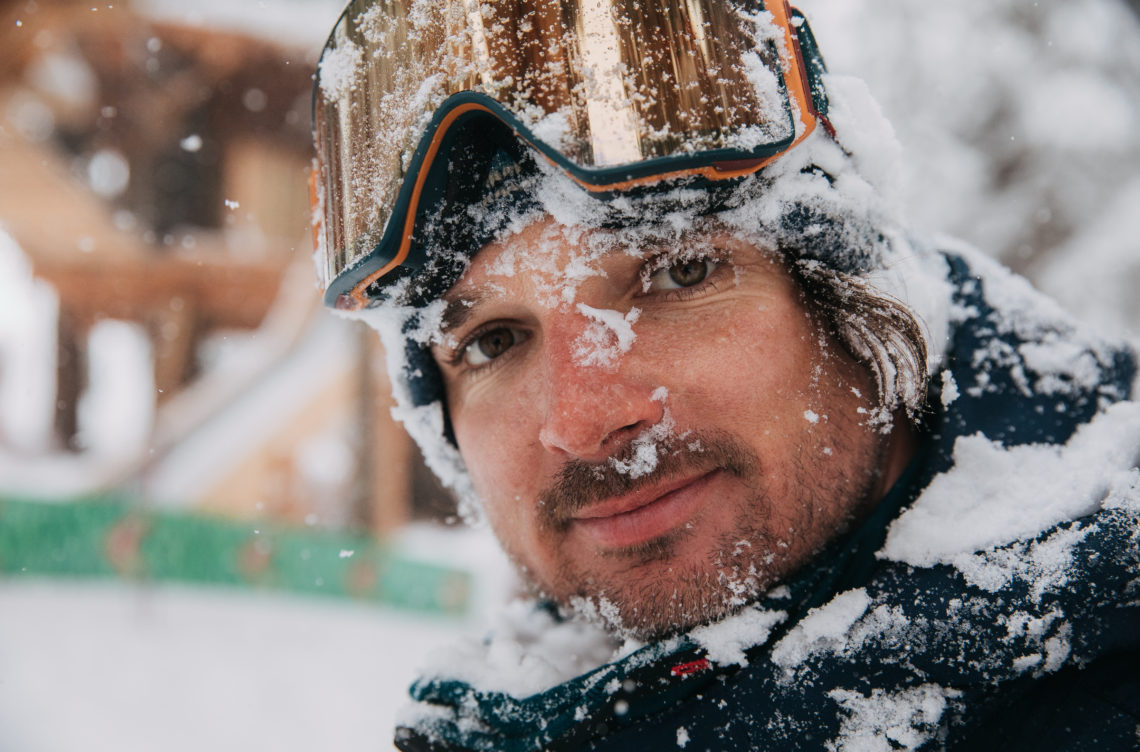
(553, 260)
(549, 259)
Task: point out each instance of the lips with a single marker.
(644, 515)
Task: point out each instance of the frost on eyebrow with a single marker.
(689, 246)
(607, 338)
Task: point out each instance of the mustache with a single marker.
(579, 484)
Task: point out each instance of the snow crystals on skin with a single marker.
(913, 275)
(604, 614)
(994, 495)
(644, 460)
(607, 339)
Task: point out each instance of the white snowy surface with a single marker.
(824, 628)
(726, 640)
(121, 668)
(117, 667)
(882, 722)
(994, 119)
(115, 418)
(29, 309)
(608, 338)
(304, 23)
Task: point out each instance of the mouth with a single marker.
(634, 519)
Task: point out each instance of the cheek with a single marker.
(490, 457)
(496, 444)
(734, 359)
(495, 477)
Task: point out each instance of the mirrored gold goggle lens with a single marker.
(616, 92)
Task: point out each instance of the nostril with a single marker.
(625, 434)
(636, 428)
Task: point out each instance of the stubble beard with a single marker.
(650, 590)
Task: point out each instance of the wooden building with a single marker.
(156, 174)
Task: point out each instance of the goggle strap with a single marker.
(812, 67)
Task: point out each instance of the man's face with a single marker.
(658, 434)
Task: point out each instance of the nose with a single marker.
(592, 411)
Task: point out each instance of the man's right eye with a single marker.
(490, 344)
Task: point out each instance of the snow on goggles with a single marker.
(619, 94)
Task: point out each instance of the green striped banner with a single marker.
(112, 538)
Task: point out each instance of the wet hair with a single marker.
(878, 332)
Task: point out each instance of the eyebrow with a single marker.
(457, 311)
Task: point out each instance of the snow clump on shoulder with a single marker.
(528, 651)
(996, 495)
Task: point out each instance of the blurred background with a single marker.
(212, 534)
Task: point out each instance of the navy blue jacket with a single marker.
(932, 661)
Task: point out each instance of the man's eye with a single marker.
(681, 275)
(490, 345)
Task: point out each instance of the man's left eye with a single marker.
(681, 275)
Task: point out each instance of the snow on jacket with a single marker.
(992, 601)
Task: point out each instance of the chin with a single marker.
(667, 598)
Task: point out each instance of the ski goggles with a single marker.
(618, 94)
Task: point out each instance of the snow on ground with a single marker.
(112, 666)
(122, 667)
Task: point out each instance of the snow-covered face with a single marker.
(658, 431)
